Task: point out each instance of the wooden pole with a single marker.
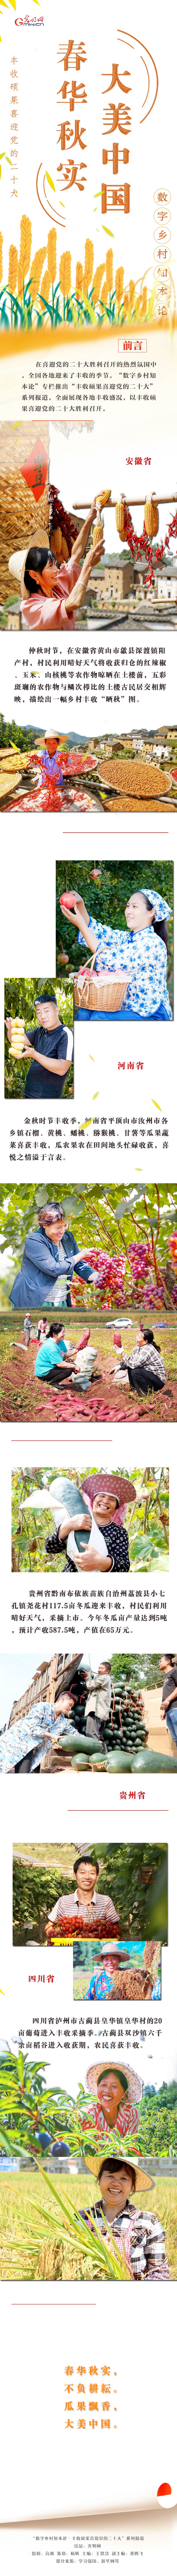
(164, 499)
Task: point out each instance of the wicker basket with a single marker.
(11, 774)
(11, 759)
(99, 992)
(135, 775)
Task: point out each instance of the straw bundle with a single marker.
(99, 992)
(136, 777)
(20, 517)
(131, 1985)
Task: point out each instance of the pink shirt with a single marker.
(41, 612)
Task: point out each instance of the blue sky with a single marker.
(15, 1673)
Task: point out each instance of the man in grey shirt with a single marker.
(98, 1702)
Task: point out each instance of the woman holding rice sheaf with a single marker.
(126, 1971)
(135, 2232)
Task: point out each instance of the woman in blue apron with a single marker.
(139, 953)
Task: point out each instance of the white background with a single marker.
(152, 140)
(41, 2324)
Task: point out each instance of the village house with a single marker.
(112, 580)
(45, 1684)
(118, 578)
(165, 578)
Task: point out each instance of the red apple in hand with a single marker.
(67, 900)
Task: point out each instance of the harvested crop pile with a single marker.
(135, 777)
(130, 1984)
(60, 2262)
(52, 1940)
(12, 758)
(133, 804)
(11, 765)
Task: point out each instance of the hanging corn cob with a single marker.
(101, 499)
(97, 531)
(151, 517)
(120, 516)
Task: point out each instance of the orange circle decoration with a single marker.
(164, 2490)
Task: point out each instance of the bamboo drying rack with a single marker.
(163, 500)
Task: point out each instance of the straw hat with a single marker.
(17, 562)
(134, 2086)
(93, 2162)
(120, 1487)
(112, 1946)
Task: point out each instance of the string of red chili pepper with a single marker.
(143, 544)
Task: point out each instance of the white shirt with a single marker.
(93, 1540)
